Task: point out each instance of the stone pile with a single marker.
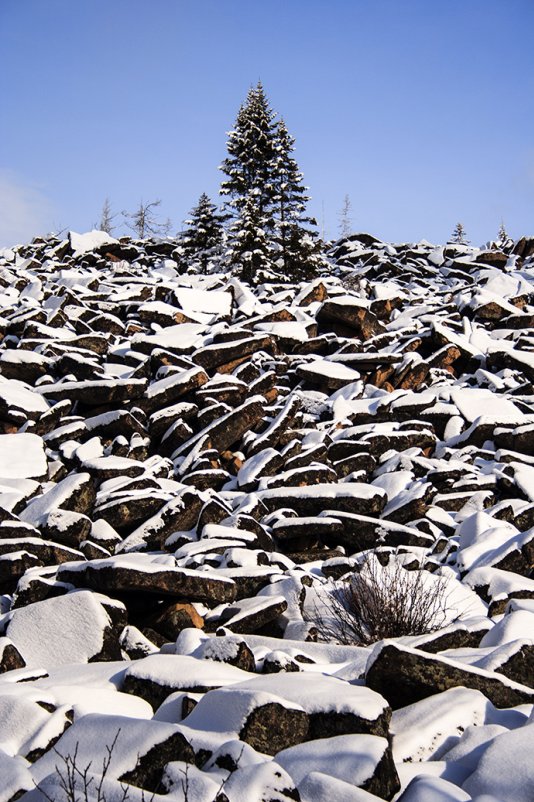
(189, 464)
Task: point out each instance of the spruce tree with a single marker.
(251, 153)
(458, 235)
(266, 198)
(250, 243)
(250, 183)
(202, 243)
(298, 244)
(503, 238)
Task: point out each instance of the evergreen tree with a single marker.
(266, 197)
(458, 235)
(250, 183)
(251, 153)
(300, 249)
(250, 243)
(203, 242)
(504, 240)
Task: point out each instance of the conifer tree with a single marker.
(250, 185)
(503, 238)
(266, 198)
(251, 152)
(458, 235)
(250, 244)
(300, 249)
(202, 243)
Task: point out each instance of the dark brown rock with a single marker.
(126, 577)
(213, 356)
(353, 316)
(310, 501)
(96, 393)
(10, 657)
(519, 666)
(228, 430)
(149, 769)
(127, 511)
(404, 676)
(252, 615)
(174, 618)
(271, 727)
(66, 528)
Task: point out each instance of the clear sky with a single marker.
(422, 111)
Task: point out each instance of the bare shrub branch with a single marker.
(381, 601)
(75, 782)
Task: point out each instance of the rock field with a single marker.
(191, 469)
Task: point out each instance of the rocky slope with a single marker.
(191, 468)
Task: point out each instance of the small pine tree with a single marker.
(107, 218)
(503, 238)
(458, 235)
(203, 241)
(144, 223)
(345, 220)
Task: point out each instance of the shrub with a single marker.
(77, 783)
(381, 601)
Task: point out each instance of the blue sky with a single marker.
(420, 110)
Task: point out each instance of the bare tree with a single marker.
(107, 218)
(144, 222)
(381, 601)
(345, 219)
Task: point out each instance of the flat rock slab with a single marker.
(75, 493)
(334, 707)
(212, 356)
(351, 314)
(404, 676)
(228, 429)
(251, 615)
(353, 497)
(157, 676)
(367, 360)
(140, 573)
(69, 629)
(364, 761)
(327, 375)
(130, 509)
(95, 393)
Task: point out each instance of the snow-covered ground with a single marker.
(193, 471)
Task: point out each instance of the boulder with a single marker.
(73, 628)
(157, 676)
(364, 761)
(139, 573)
(404, 675)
